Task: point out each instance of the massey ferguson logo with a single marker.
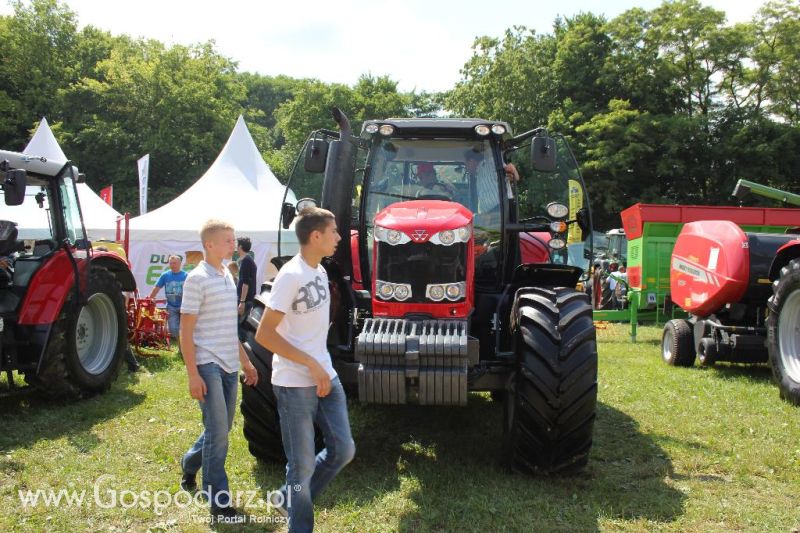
(419, 235)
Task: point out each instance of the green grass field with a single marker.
(675, 450)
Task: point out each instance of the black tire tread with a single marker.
(788, 281)
(552, 403)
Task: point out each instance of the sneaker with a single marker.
(274, 502)
(225, 515)
(188, 482)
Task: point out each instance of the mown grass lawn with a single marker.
(675, 450)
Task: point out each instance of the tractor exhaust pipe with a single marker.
(337, 190)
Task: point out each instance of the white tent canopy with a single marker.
(33, 222)
(238, 187)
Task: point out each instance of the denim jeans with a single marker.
(307, 473)
(211, 448)
(174, 322)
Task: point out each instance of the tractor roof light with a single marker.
(498, 129)
(557, 210)
(386, 129)
(482, 130)
(371, 128)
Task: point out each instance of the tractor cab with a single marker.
(62, 318)
(467, 244)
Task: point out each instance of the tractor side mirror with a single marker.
(582, 218)
(14, 186)
(543, 154)
(287, 215)
(316, 156)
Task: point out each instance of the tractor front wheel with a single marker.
(87, 343)
(783, 332)
(552, 399)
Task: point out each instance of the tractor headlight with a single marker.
(454, 291)
(558, 226)
(482, 130)
(371, 128)
(557, 210)
(435, 292)
(386, 130)
(447, 237)
(402, 292)
(556, 244)
(450, 236)
(384, 290)
(391, 236)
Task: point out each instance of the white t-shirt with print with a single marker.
(301, 293)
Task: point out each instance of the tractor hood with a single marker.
(420, 219)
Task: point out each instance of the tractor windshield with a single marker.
(460, 171)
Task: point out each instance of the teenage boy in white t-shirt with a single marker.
(295, 329)
(212, 353)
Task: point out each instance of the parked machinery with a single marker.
(742, 290)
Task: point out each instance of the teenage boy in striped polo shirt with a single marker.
(212, 353)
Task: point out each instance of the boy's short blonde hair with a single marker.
(211, 227)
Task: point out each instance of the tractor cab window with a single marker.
(460, 171)
(564, 185)
(72, 215)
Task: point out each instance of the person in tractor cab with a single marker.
(307, 389)
(429, 184)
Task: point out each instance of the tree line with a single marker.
(667, 105)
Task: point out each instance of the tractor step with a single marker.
(414, 361)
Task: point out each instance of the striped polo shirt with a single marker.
(211, 295)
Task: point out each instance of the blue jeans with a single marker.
(307, 473)
(211, 448)
(174, 322)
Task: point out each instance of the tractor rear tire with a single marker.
(87, 343)
(783, 332)
(552, 400)
(677, 343)
(262, 426)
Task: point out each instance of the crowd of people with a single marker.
(608, 285)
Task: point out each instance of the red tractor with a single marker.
(742, 291)
(456, 281)
(62, 312)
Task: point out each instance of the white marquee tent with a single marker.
(238, 187)
(33, 222)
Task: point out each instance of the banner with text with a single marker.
(144, 170)
(149, 259)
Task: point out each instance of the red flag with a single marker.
(107, 195)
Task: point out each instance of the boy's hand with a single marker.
(197, 387)
(250, 375)
(321, 378)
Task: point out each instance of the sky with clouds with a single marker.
(422, 44)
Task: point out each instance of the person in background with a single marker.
(246, 286)
(172, 280)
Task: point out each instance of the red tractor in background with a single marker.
(742, 291)
(456, 280)
(62, 312)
